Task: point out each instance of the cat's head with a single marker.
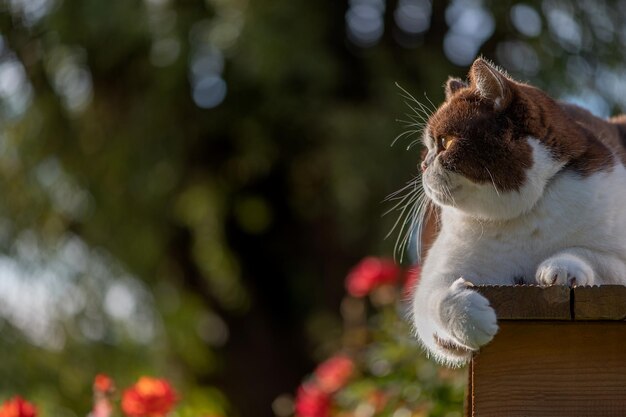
(494, 144)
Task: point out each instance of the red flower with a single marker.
(149, 397)
(17, 407)
(311, 401)
(370, 273)
(333, 373)
(103, 384)
(411, 279)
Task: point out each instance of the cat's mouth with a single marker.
(442, 186)
(443, 194)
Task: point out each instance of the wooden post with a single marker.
(559, 352)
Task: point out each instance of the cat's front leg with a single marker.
(569, 267)
(455, 322)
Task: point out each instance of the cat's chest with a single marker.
(574, 212)
(502, 256)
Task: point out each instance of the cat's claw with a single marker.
(469, 318)
(564, 269)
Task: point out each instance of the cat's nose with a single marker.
(424, 165)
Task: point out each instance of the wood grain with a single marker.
(607, 302)
(528, 302)
(534, 369)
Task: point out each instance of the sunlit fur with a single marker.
(560, 227)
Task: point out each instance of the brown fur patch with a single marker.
(611, 133)
(486, 147)
(572, 134)
(492, 117)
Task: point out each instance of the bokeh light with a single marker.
(413, 16)
(526, 20)
(364, 21)
(471, 24)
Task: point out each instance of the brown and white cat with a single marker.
(528, 189)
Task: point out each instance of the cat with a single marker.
(527, 189)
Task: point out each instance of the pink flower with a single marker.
(370, 273)
(103, 389)
(333, 373)
(102, 408)
(411, 280)
(17, 407)
(311, 401)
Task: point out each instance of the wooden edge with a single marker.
(468, 406)
(527, 302)
(607, 302)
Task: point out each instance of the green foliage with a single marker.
(395, 368)
(184, 183)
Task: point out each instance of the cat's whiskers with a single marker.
(404, 134)
(404, 202)
(434, 107)
(448, 193)
(418, 118)
(421, 111)
(422, 214)
(412, 228)
(396, 194)
(492, 181)
(411, 201)
(445, 188)
(412, 205)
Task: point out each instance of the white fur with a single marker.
(558, 228)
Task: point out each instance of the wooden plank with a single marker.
(607, 302)
(528, 302)
(539, 369)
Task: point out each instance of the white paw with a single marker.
(467, 316)
(564, 269)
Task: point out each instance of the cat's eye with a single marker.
(445, 141)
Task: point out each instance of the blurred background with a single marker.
(184, 185)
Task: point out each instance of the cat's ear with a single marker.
(491, 83)
(453, 85)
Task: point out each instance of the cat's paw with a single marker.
(467, 316)
(564, 269)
